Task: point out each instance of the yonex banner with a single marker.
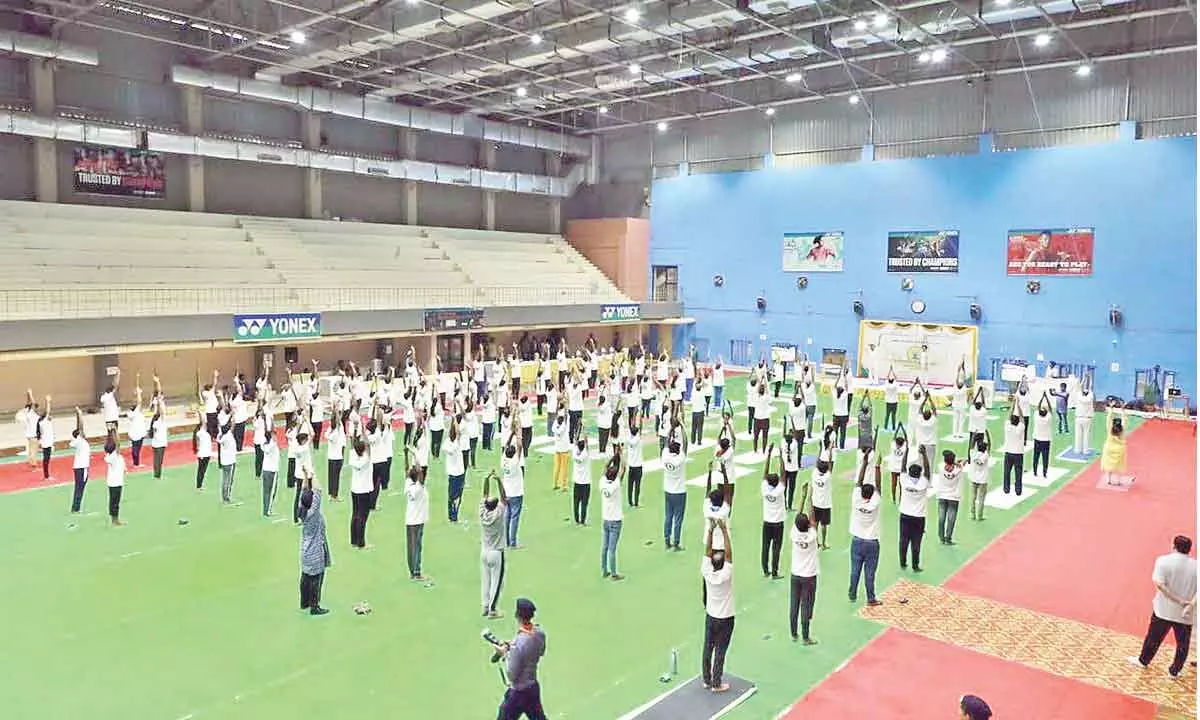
(620, 313)
(275, 327)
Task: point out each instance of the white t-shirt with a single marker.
(977, 470)
(158, 432)
(810, 395)
(949, 485)
(452, 449)
(210, 401)
(715, 513)
(270, 457)
(718, 376)
(610, 500)
(376, 443)
(115, 476)
(791, 455)
(46, 425)
(1085, 407)
(804, 552)
(841, 403)
(765, 409)
(525, 414)
(897, 457)
(83, 452)
(914, 495)
(719, 585)
(562, 438)
(773, 510)
(674, 465)
(958, 398)
(581, 465)
(204, 443)
(335, 442)
(633, 451)
(227, 450)
(109, 407)
(31, 422)
(416, 512)
(822, 489)
(978, 420)
(1042, 429)
(1014, 438)
(360, 473)
(421, 452)
(864, 516)
(926, 430)
(891, 393)
(1178, 573)
(512, 475)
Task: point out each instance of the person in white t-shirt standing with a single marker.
(45, 438)
(109, 408)
(416, 514)
(891, 400)
(1174, 606)
(114, 478)
(29, 419)
(773, 499)
(456, 471)
(864, 532)
(958, 400)
(842, 398)
(674, 463)
(1014, 449)
(949, 493)
(202, 445)
(977, 419)
(718, 384)
(1085, 411)
(1043, 432)
(805, 566)
(82, 461)
(717, 570)
(914, 504)
(612, 515)
(581, 472)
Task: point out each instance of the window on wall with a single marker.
(666, 283)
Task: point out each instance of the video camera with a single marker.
(490, 638)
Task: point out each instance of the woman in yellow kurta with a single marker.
(1112, 457)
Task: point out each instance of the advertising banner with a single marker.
(276, 327)
(1050, 252)
(813, 252)
(919, 252)
(117, 171)
(620, 313)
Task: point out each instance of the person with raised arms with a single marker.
(718, 383)
(717, 570)
(674, 463)
(110, 409)
(958, 400)
(82, 460)
(202, 446)
(611, 515)
(1085, 411)
(842, 397)
(492, 512)
(977, 423)
(821, 498)
(362, 485)
(926, 426)
(773, 492)
(914, 503)
(978, 462)
(1014, 448)
(512, 479)
(805, 566)
(891, 400)
(808, 391)
(1042, 435)
(114, 478)
(864, 533)
(791, 452)
(898, 458)
(634, 461)
(416, 515)
(949, 493)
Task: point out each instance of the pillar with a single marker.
(1127, 131)
(554, 169)
(100, 374)
(411, 216)
(487, 159)
(868, 153)
(429, 362)
(193, 112)
(311, 131)
(45, 153)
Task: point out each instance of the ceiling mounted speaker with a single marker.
(718, 280)
(760, 302)
(1116, 318)
(802, 282)
(906, 284)
(859, 308)
(976, 312)
(1033, 287)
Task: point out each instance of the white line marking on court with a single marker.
(135, 553)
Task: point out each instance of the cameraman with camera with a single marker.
(524, 695)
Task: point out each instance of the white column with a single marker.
(554, 169)
(193, 111)
(430, 359)
(411, 198)
(311, 131)
(45, 153)
(487, 159)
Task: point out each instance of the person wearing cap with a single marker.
(973, 707)
(1174, 606)
(521, 656)
(314, 546)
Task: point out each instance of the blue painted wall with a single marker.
(1140, 196)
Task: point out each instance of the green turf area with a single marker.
(160, 620)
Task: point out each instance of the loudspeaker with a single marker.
(802, 282)
(143, 140)
(291, 355)
(976, 312)
(760, 302)
(1033, 287)
(1116, 318)
(718, 280)
(859, 308)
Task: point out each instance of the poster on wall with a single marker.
(929, 351)
(1050, 252)
(925, 251)
(117, 171)
(813, 252)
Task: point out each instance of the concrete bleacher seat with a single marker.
(89, 261)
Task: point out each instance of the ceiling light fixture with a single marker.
(632, 15)
(522, 91)
(924, 57)
(662, 127)
(855, 99)
(635, 69)
(770, 112)
(297, 37)
(794, 77)
(536, 38)
(603, 110)
(938, 55)
(860, 24)
(881, 20)
(1041, 40)
(1083, 70)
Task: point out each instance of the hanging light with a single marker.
(1083, 70)
(1041, 40)
(536, 38)
(662, 127)
(632, 15)
(770, 112)
(855, 99)
(297, 37)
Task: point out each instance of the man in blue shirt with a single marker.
(524, 695)
(1060, 406)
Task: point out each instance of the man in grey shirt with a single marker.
(524, 695)
(1174, 605)
(493, 513)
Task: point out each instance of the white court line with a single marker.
(996, 498)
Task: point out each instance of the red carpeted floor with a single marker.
(1087, 553)
(900, 676)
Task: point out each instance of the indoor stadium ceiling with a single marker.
(594, 64)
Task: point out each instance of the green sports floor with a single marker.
(170, 621)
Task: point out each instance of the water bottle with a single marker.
(674, 667)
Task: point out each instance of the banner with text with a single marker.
(933, 252)
(117, 171)
(276, 327)
(1050, 252)
(620, 313)
(813, 252)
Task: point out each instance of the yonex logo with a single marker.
(276, 327)
(251, 327)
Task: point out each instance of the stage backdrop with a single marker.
(935, 251)
(1050, 252)
(931, 352)
(813, 252)
(117, 171)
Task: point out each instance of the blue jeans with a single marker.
(718, 396)
(608, 548)
(454, 497)
(687, 388)
(514, 518)
(673, 520)
(864, 555)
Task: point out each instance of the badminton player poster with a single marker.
(813, 252)
(1050, 252)
(923, 251)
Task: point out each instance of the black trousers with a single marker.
(408, 428)
(762, 428)
(435, 442)
(1014, 463)
(1041, 451)
(840, 423)
(789, 479)
(718, 632)
(335, 476)
(582, 494)
(574, 419)
(310, 590)
(750, 419)
(317, 426)
(912, 529)
(603, 432)
(46, 463)
(526, 440)
(258, 461)
(159, 452)
(201, 470)
(210, 422)
(239, 435)
(472, 446)
(114, 502)
(360, 510)
(635, 485)
(526, 701)
(697, 427)
(889, 416)
(135, 448)
(772, 542)
(1155, 635)
(489, 429)
(80, 484)
(803, 598)
(378, 472)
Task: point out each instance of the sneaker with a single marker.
(917, 569)
(874, 603)
(607, 574)
(809, 641)
(1135, 661)
(617, 576)
(723, 687)
(318, 611)
(495, 614)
